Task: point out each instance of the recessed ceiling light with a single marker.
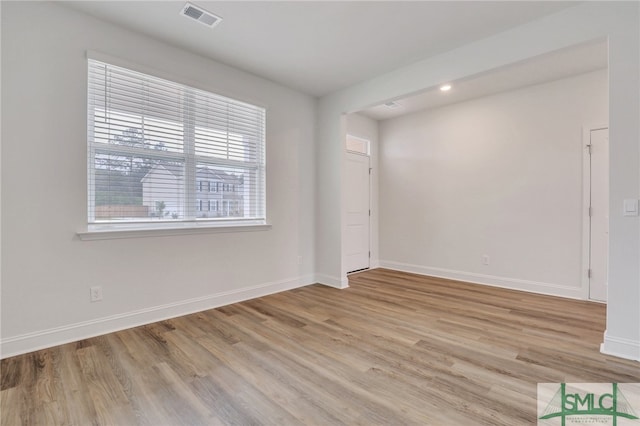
(192, 11)
(445, 87)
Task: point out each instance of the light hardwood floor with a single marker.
(393, 349)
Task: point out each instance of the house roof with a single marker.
(213, 174)
(202, 172)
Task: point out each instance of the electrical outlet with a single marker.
(485, 259)
(95, 294)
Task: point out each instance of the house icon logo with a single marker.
(588, 403)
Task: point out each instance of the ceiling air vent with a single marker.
(194, 12)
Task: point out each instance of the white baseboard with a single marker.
(29, 342)
(334, 282)
(621, 347)
(491, 280)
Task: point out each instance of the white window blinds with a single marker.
(163, 151)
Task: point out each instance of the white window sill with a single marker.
(137, 230)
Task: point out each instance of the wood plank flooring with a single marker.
(393, 349)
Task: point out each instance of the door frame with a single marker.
(368, 156)
(586, 204)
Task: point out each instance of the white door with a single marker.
(357, 203)
(599, 215)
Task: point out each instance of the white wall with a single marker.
(499, 175)
(366, 128)
(47, 270)
(619, 22)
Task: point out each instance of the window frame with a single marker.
(130, 228)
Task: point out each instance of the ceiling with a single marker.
(541, 69)
(319, 47)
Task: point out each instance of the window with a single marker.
(357, 145)
(153, 143)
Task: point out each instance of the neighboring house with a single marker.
(163, 183)
(218, 193)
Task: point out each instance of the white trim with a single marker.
(621, 347)
(335, 282)
(490, 280)
(114, 231)
(29, 342)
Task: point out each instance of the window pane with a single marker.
(357, 145)
(118, 190)
(231, 146)
(163, 190)
(134, 188)
(137, 131)
(234, 192)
